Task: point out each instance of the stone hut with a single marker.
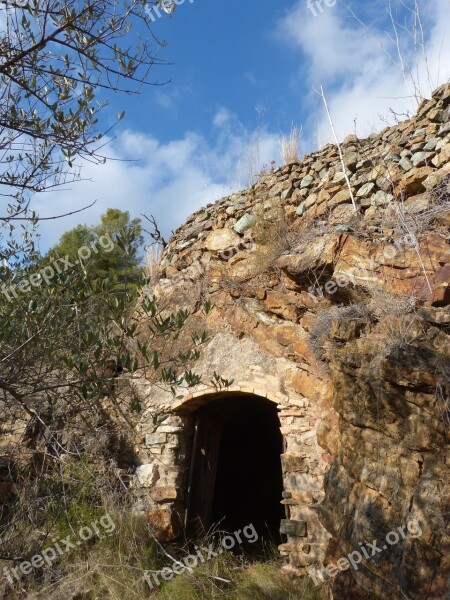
(332, 328)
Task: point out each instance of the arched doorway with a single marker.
(235, 474)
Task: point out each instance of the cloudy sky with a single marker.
(241, 74)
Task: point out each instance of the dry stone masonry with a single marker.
(343, 321)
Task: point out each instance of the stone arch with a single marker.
(203, 394)
(305, 540)
(167, 431)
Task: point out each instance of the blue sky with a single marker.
(224, 54)
(241, 73)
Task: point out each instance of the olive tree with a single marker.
(60, 61)
(70, 348)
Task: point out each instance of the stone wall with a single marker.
(167, 428)
(342, 318)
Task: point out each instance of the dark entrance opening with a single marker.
(235, 478)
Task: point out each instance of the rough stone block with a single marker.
(293, 528)
(147, 474)
(164, 494)
(244, 223)
(154, 439)
(292, 463)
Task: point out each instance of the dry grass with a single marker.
(112, 565)
(272, 236)
(398, 331)
(114, 568)
(289, 145)
(383, 303)
(152, 262)
(396, 316)
(393, 315)
(245, 580)
(416, 223)
(104, 566)
(320, 332)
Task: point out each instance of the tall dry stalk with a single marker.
(341, 156)
(413, 29)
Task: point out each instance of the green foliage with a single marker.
(58, 61)
(65, 345)
(219, 382)
(75, 499)
(113, 248)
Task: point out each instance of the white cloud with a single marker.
(168, 99)
(222, 116)
(352, 63)
(171, 180)
(175, 178)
